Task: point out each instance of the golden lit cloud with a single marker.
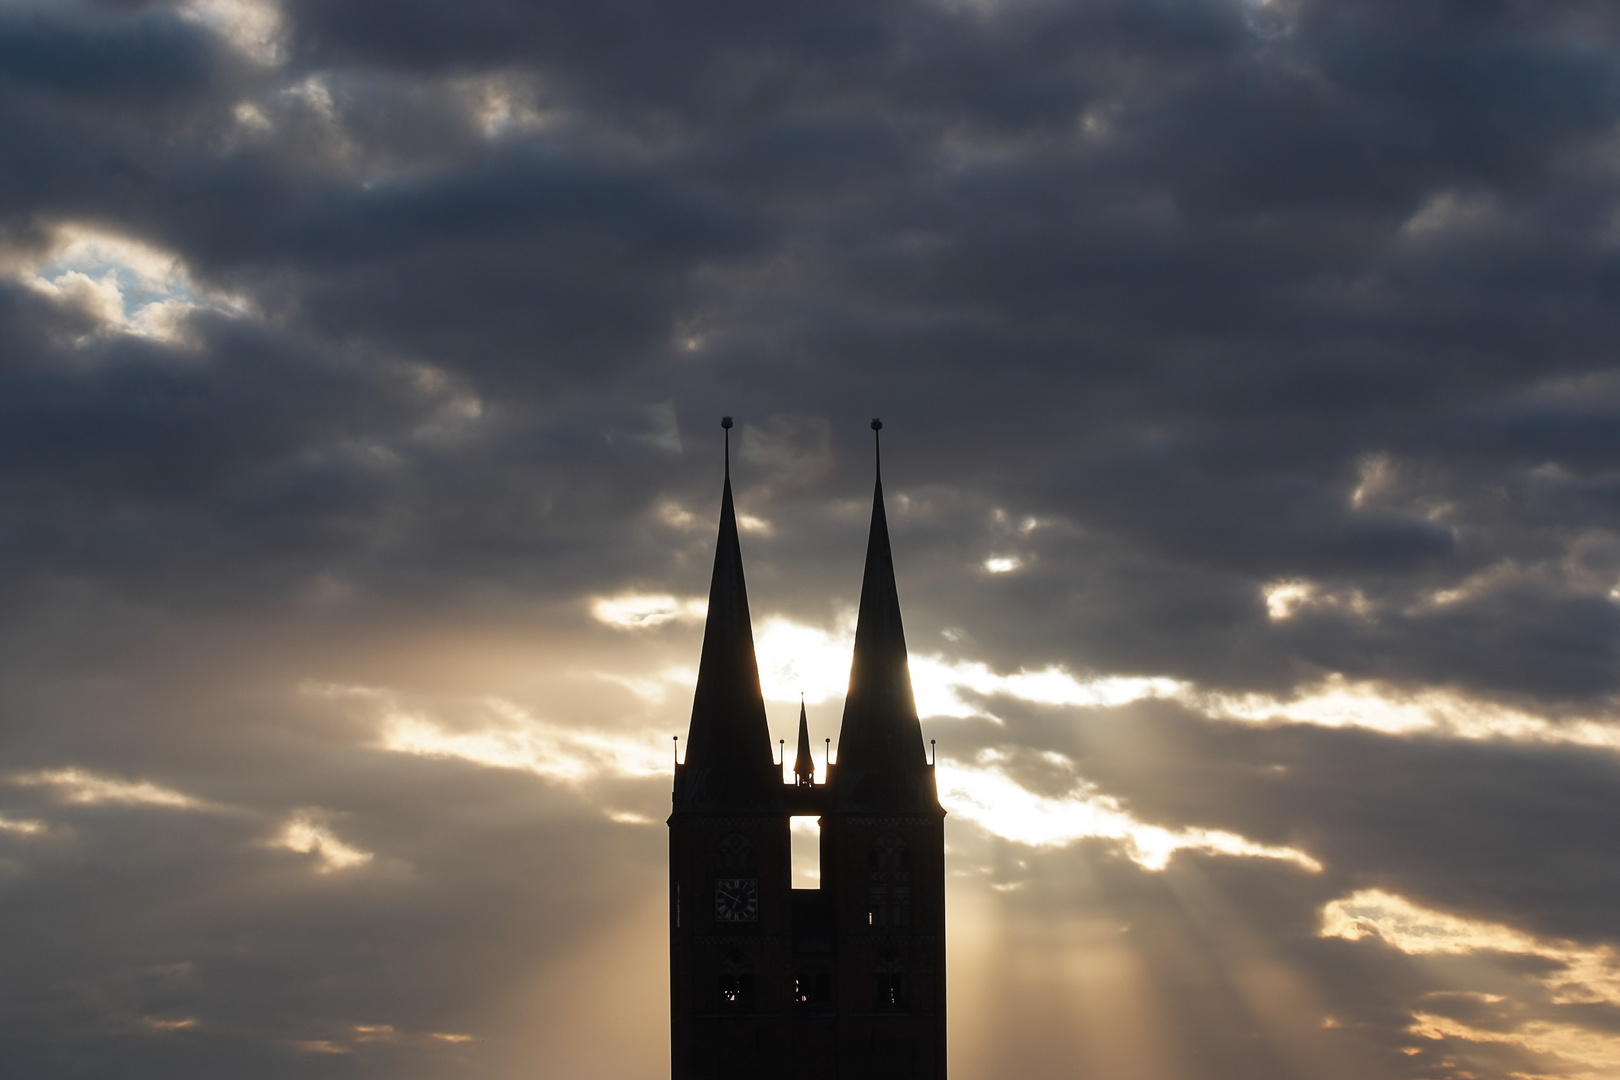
(80, 786)
(1340, 702)
(1583, 1054)
(500, 734)
(164, 1027)
(359, 1035)
(938, 683)
(497, 733)
(797, 658)
(21, 826)
(1285, 599)
(1570, 974)
(307, 833)
(1333, 702)
(321, 1046)
(640, 611)
(989, 797)
(1585, 975)
(509, 737)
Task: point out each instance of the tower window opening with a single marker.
(812, 989)
(804, 838)
(736, 984)
(890, 976)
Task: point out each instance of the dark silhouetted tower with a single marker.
(846, 980)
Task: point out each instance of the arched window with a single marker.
(889, 883)
(890, 975)
(736, 984)
(812, 989)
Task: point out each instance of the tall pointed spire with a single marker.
(804, 766)
(881, 764)
(729, 762)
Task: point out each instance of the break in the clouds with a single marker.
(1248, 375)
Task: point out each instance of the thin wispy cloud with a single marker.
(87, 788)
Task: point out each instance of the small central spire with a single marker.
(804, 766)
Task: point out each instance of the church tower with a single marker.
(846, 980)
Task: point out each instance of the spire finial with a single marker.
(877, 446)
(725, 422)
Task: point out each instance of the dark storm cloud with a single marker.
(1167, 304)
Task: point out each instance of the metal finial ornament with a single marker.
(877, 445)
(725, 422)
(877, 425)
(677, 749)
(781, 756)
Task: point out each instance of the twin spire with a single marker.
(729, 765)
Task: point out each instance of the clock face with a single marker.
(736, 900)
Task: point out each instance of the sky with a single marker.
(1252, 453)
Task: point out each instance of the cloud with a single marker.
(121, 284)
(1567, 1049)
(255, 27)
(502, 734)
(1572, 974)
(307, 833)
(21, 826)
(1333, 702)
(796, 658)
(644, 611)
(1252, 480)
(988, 797)
(76, 785)
(794, 450)
(1584, 974)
